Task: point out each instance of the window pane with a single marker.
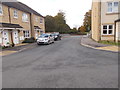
(110, 32)
(104, 31)
(116, 4)
(109, 4)
(110, 27)
(1, 9)
(41, 20)
(105, 27)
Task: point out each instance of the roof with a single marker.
(9, 25)
(118, 20)
(36, 27)
(21, 6)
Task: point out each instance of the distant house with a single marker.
(17, 22)
(105, 20)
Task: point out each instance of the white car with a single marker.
(45, 39)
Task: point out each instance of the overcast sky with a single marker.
(74, 9)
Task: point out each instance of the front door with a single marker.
(15, 37)
(5, 38)
(36, 35)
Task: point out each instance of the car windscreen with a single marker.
(44, 36)
(56, 34)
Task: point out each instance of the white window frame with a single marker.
(24, 17)
(15, 13)
(26, 34)
(1, 9)
(41, 20)
(114, 9)
(36, 18)
(108, 29)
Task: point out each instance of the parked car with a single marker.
(45, 39)
(57, 36)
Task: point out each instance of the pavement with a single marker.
(64, 64)
(17, 48)
(88, 42)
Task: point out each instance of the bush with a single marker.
(29, 40)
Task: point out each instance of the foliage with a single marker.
(87, 21)
(29, 40)
(86, 27)
(82, 29)
(109, 42)
(56, 23)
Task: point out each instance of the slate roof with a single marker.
(36, 27)
(117, 20)
(21, 6)
(9, 25)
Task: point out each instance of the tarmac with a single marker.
(85, 41)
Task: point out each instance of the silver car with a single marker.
(45, 39)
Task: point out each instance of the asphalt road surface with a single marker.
(64, 64)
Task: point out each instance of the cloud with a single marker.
(74, 9)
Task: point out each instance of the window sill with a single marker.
(107, 35)
(25, 21)
(112, 13)
(16, 17)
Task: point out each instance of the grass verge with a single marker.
(110, 43)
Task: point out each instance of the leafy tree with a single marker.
(87, 21)
(56, 23)
(82, 29)
(50, 24)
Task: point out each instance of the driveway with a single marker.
(64, 64)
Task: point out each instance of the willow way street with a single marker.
(61, 65)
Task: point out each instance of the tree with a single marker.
(87, 21)
(56, 23)
(50, 24)
(82, 29)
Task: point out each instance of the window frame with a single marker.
(108, 29)
(25, 17)
(113, 7)
(1, 10)
(26, 34)
(36, 19)
(15, 14)
(41, 20)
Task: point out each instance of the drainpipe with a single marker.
(100, 21)
(115, 32)
(10, 23)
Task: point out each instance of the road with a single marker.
(64, 64)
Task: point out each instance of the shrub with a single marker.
(29, 40)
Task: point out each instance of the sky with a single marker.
(74, 9)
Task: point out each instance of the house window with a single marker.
(36, 19)
(107, 30)
(1, 10)
(41, 20)
(25, 17)
(113, 7)
(26, 34)
(15, 14)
